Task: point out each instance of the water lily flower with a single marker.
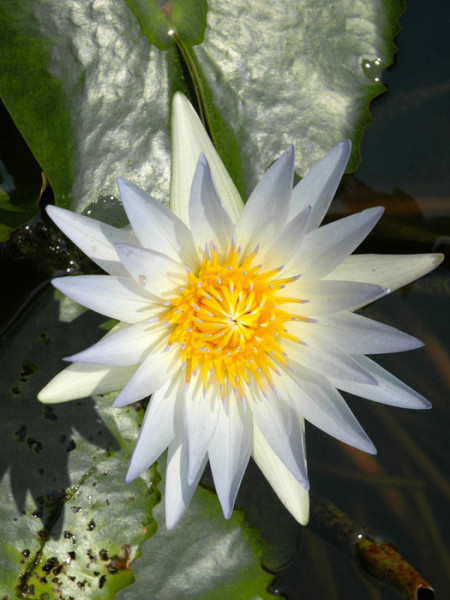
(238, 320)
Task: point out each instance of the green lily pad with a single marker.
(301, 73)
(70, 524)
(91, 93)
(185, 17)
(204, 558)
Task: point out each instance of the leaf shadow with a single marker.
(37, 440)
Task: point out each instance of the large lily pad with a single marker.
(71, 526)
(299, 72)
(91, 93)
(204, 558)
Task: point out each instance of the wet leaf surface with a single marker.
(204, 558)
(91, 93)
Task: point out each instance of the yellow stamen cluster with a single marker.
(228, 321)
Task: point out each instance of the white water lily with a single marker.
(238, 320)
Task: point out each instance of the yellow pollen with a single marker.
(228, 322)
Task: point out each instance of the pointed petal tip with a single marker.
(415, 343)
(180, 99)
(345, 147)
(288, 154)
(133, 472)
(48, 396)
(181, 107)
(60, 215)
(71, 358)
(369, 447)
(56, 390)
(303, 519)
(378, 210)
(43, 396)
(172, 520)
(127, 188)
(426, 404)
(54, 281)
(51, 209)
(192, 467)
(122, 184)
(130, 477)
(418, 402)
(175, 507)
(119, 403)
(343, 150)
(227, 513)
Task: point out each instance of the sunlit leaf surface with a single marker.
(91, 93)
(204, 558)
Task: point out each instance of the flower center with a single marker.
(229, 322)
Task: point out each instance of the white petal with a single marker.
(291, 493)
(128, 346)
(287, 243)
(155, 272)
(94, 238)
(267, 208)
(325, 297)
(189, 140)
(81, 380)
(322, 405)
(156, 227)
(229, 452)
(392, 271)
(283, 431)
(389, 389)
(200, 419)
(324, 357)
(319, 185)
(157, 431)
(356, 334)
(325, 248)
(207, 215)
(179, 491)
(116, 297)
(155, 371)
